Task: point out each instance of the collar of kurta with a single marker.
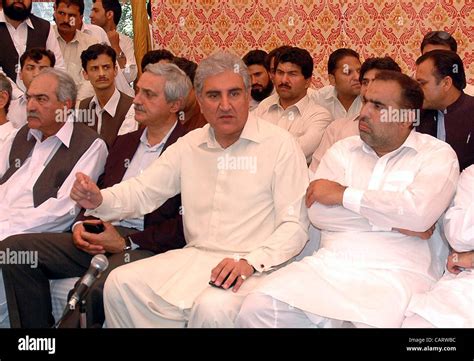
(300, 106)
(412, 141)
(76, 39)
(250, 132)
(4, 20)
(64, 134)
(111, 106)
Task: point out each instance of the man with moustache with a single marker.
(28, 31)
(291, 108)
(38, 161)
(72, 42)
(262, 86)
(375, 202)
(239, 222)
(109, 111)
(162, 89)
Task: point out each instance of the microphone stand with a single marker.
(68, 311)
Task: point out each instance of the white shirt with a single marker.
(5, 132)
(337, 130)
(72, 56)
(17, 212)
(143, 157)
(327, 98)
(95, 31)
(129, 124)
(365, 271)
(19, 38)
(17, 111)
(247, 198)
(305, 120)
(130, 70)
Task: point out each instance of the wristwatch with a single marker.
(128, 244)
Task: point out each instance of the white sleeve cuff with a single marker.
(75, 224)
(352, 198)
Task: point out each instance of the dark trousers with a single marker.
(27, 289)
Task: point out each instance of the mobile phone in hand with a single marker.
(93, 227)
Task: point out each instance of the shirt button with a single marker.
(262, 266)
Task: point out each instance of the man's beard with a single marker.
(258, 95)
(15, 13)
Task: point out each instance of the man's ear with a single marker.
(109, 15)
(332, 79)
(86, 76)
(176, 105)
(413, 119)
(69, 104)
(308, 82)
(447, 83)
(3, 99)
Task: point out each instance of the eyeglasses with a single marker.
(443, 35)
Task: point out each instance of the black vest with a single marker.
(110, 126)
(60, 165)
(36, 38)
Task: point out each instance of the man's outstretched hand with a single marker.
(85, 192)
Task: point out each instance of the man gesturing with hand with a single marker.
(242, 182)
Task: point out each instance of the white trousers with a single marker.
(130, 303)
(262, 311)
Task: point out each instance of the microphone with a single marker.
(99, 264)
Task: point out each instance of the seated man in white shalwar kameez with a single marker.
(242, 182)
(450, 303)
(377, 197)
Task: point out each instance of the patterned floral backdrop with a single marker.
(197, 28)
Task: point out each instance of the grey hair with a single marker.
(177, 84)
(5, 85)
(66, 87)
(218, 63)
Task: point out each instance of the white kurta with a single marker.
(17, 213)
(365, 271)
(451, 301)
(337, 130)
(327, 98)
(305, 120)
(247, 200)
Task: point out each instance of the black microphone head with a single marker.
(100, 262)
